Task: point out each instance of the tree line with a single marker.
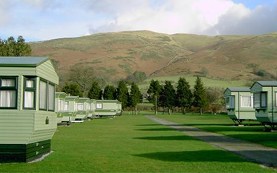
(14, 47)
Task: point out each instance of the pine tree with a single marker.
(109, 93)
(135, 96)
(154, 91)
(73, 89)
(183, 95)
(95, 91)
(199, 94)
(122, 93)
(169, 96)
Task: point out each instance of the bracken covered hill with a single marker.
(116, 55)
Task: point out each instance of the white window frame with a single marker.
(99, 105)
(243, 101)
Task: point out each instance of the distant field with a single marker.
(191, 79)
(133, 144)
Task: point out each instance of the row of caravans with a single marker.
(259, 102)
(28, 119)
(77, 109)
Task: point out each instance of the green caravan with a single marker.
(265, 102)
(27, 108)
(83, 108)
(59, 109)
(70, 109)
(239, 104)
(107, 108)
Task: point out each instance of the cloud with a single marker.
(4, 13)
(239, 20)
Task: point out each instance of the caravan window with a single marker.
(51, 97)
(260, 100)
(80, 106)
(29, 92)
(46, 96)
(246, 101)
(99, 106)
(230, 102)
(8, 92)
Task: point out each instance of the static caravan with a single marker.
(70, 109)
(239, 104)
(59, 109)
(106, 108)
(83, 108)
(119, 108)
(91, 113)
(265, 102)
(27, 107)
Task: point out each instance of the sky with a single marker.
(38, 20)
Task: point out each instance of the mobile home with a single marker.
(70, 109)
(239, 104)
(91, 113)
(83, 108)
(27, 107)
(107, 108)
(59, 109)
(265, 102)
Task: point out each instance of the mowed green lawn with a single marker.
(132, 144)
(251, 131)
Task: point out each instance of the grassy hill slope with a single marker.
(116, 55)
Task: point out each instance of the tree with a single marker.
(83, 76)
(136, 77)
(169, 96)
(153, 92)
(95, 91)
(199, 94)
(72, 89)
(122, 93)
(109, 93)
(215, 99)
(183, 95)
(135, 96)
(12, 47)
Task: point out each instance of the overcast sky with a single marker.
(38, 20)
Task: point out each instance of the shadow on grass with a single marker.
(158, 129)
(166, 138)
(142, 125)
(193, 156)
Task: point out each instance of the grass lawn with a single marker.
(132, 144)
(252, 131)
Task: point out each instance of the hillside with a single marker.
(116, 55)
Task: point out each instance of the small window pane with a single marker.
(99, 106)
(7, 99)
(257, 100)
(29, 84)
(8, 82)
(263, 99)
(51, 97)
(29, 99)
(42, 95)
(246, 101)
(66, 106)
(80, 106)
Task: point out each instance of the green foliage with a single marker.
(168, 96)
(73, 89)
(199, 95)
(109, 93)
(184, 94)
(153, 92)
(136, 77)
(122, 93)
(12, 47)
(95, 91)
(135, 96)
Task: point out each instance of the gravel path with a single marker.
(253, 152)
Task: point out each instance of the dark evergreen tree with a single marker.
(95, 91)
(169, 96)
(183, 95)
(21, 48)
(135, 97)
(153, 92)
(199, 95)
(109, 93)
(122, 93)
(12, 47)
(73, 89)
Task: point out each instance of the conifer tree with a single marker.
(109, 93)
(183, 95)
(135, 96)
(95, 91)
(169, 96)
(122, 93)
(154, 91)
(199, 95)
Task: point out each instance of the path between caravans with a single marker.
(253, 152)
